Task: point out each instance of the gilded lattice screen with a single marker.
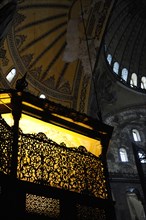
(43, 161)
(6, 139)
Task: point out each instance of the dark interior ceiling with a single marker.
(125, 39)
(57, 42)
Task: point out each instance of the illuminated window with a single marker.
(109, 58)
(142, 155)
(133, 81)
(116, 67)
(123, 154)
(136, 135)
(124, 74)
(143, 82)
(10, 76)
(42, 96)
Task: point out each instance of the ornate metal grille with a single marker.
(42, 161)
(90, 213)
(43, 206)
(6, 139)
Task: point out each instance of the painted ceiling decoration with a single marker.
(7, 11)
(54, 42)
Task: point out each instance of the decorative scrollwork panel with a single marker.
(43, 161)
(6, 140)
(43, 206)
(90, 213)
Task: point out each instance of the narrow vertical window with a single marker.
(109, 58)
(123, 154)
(116, 67)
(133, 80)
(143, 82)
(136, 135)
(10, 76)
(124, 74)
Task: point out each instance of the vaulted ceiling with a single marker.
(55, 43)
(126, 38)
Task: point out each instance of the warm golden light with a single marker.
(5, 98)
(32, 106)
(58, 134)
(71, 120)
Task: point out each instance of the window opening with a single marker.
(109, 58)
(142, 155)
(143, 82)
(116, 67)
(10, 76)
(124, 74)
(136, 135)
(123, 154)
(42, 96)
(133, 80)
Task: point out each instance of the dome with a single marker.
(125, 43)
(44, 43)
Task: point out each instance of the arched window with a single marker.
(142, 155)
(135, 204)
(123, 154)
(143, 82)
(133, 80)
(42, 96)
(136, 135)
(109, 58)
(124, 74)
(10, 76)
(116, 67)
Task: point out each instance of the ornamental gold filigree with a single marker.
(43, 161)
